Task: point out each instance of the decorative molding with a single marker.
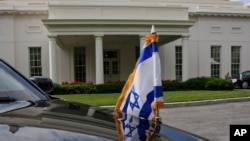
(215, 29)
(33, 29)
(16, 12)
(237, 29)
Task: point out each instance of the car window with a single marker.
(247, 73)
(12, 84)
(8, 83)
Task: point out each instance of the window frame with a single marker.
(235, 61)
(79, 64)
(178, 63)
(35, 61)
(215, 67)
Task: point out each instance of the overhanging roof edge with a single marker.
(112, 22)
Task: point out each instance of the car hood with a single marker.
(66, 120)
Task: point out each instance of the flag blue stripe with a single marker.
(142, 129)
(148, 51)
(146, 109)
(158, 91)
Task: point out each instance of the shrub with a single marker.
(219, 84)
(171, 85)
(197, 83)
(115, 87)
(73, 89)
(86, 88)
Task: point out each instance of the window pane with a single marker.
(35, 61)
(115, 67)
(178, 63)
(235, 61)
(215, 63)
(80, 64)
(110, 54)
(106, 67)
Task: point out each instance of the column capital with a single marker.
(142, 35)
(98, 35)
(185, 36)
(52, 37)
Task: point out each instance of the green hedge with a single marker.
(219, 84)
(87, 88)
(196, 83)
(199, 83)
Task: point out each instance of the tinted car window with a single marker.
(247, 73)
(14, 85)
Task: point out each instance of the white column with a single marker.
(53, 59)
(99, 59)
(185, 58)
(142, 41)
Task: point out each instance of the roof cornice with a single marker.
(219, 11)
(20, 7)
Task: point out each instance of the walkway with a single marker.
(209, 121)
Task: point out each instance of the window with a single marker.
(80, 64)
(111, 62)
(35, 61)
(178, 63)
(215, 61)
(110, 54)
(235, 61)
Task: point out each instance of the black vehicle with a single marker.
(243, 81)
(27, 113)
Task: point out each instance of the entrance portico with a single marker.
(106, 31)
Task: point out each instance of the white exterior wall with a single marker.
(7, 47)
(167, 56)
(200, 41)
(30, 32)
(225, 38)
(18, 32)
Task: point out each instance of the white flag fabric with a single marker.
(142, 94)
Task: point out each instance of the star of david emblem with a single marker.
(135, 103)
(130, 129)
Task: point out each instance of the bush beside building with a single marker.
(199, 83)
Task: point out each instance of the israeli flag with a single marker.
(142, 94)
(132, 128)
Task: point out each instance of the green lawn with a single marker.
(169, 97)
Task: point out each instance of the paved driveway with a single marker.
(211, 121)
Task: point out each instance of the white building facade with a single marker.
(99, 42)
